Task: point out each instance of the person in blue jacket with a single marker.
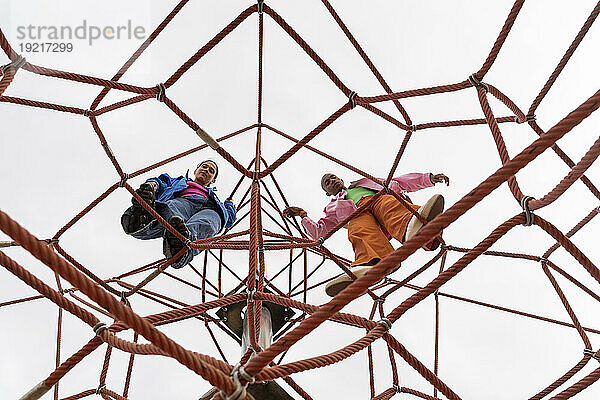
(188, 205)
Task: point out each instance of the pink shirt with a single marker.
(195, 189)
(338, 208)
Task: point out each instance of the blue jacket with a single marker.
(167, 187)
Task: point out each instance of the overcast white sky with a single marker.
(53, 166)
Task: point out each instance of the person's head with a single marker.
(206, 173)
(331, 184)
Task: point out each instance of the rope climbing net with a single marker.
(113, 298)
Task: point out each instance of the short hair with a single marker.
(214, 163)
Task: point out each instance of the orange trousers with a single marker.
(365, 231)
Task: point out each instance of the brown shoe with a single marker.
(341, 282)
(431, 209)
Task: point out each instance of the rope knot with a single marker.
(477, 83)
(528, 213)
(15, 65)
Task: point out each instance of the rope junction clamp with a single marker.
(260, 6)
(477, 83)
(161, 91)
(52, 241)
(212, 143)
(260, 249)
(123, 179)
(16, 65)
(86, 113)
(591, 353)
(255, 175)
(412, 128)
(99, 327)
(379, 300)
(386, 188)
(251, 294)
(386, 323)
(187, 243)
(530, 118)
(543, 260)
(101, 388)
(240, 391)
(321, 241)
(249, 378)
(528, 213)
(352, 99)
(397, 387)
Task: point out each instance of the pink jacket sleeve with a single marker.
(413, 182)
(317, 229)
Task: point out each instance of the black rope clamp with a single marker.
(99, 327)
(386, 323)
(591, 353)
(161, 91)
(260, 6)
(530, 117)
(260, 249)
(543, 260)
(255, 175)
(379, 300)
(321, 241)
(124, 297)
(101, 388)
(251, 294)
(412, 128)
(528, 213)
(386, 188)
(16, 65)
(86, 113)
(397, 387)
(352, 99)
(52, 241)
(123, 180)
(477, 83)
(187, 243)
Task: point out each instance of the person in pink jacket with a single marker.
(370, 231)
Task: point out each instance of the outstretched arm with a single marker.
(314, 229)
(417, 181)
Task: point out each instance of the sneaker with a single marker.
(172, 245)
(139, 217)
(431, 209)
(341, 282)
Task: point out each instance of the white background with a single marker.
(53, 166)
